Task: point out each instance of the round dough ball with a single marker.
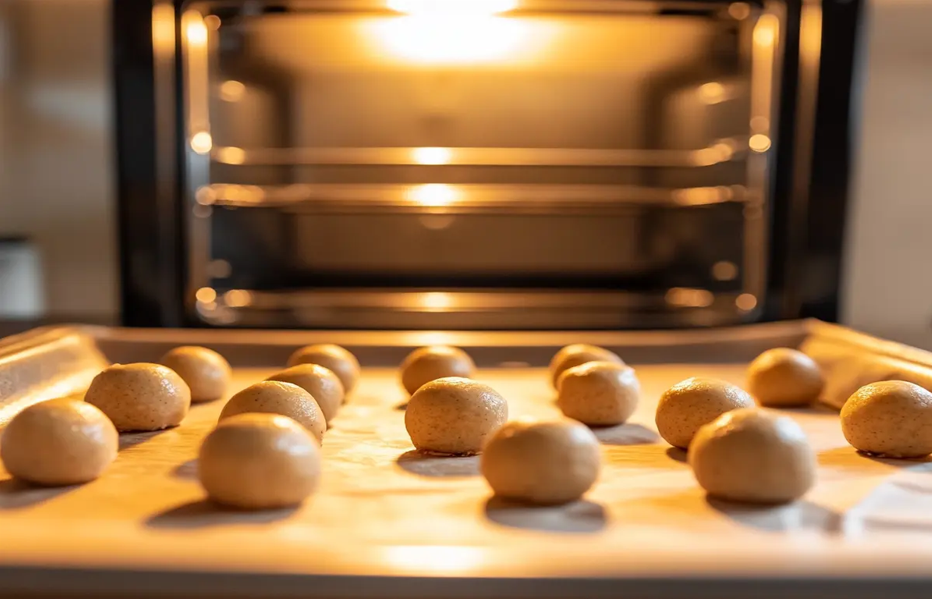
(890, 418)
(576, 354)
(454, 416)
(598, 393)
(206, 372)
(275, 397)
(689, 404)
(752, 456)
(323, 385)
(339, 360)
(784, 377)
(547, 463)
(435, 362)
(140, 397)
(259, 461)
(59, 442)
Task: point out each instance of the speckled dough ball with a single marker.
(59, 442)
(454, 416)
(323, 385)
(576, 354)
(140, 397)
(275, 397)
(891, 418)
(689, 404)
(435, 362)
(340, 361)
(259, 461)
(751, 456)
(784, 377)
(547, 463)
(598, 393)
(206, 372)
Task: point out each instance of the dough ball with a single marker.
(598, 393)
(140, 397)
(454, 416)
(435, 362)
(323, 385)
(275, 397)
(340, 361)
(59, 442)
(784, 377)
(206, 372)
(890, 418)
(544, 462)
(576, 354)
(752, 456)
(689, 404)
(259, 461)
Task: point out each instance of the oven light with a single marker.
(452, 39)
(201, 142)
(759, 142)
(452, 7)
(432, 155)
(434, 194)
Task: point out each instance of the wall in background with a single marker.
(889, 266)
(56, 178)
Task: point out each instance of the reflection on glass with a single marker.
(432, 155)
(201, 142)
(434, 194)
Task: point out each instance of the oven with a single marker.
(482, 164)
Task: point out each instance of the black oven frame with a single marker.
(809, 190)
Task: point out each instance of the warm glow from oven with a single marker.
(436, 301)
(163, 28)
(452, 7)
(201, 142)
(195, 29)
(434, 194)
(434, 558)
(765, 32)
(446, 39)
(432, 155)
(231, 155)
(232, 91)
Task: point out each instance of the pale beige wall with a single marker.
(889, 266)
(56, 180)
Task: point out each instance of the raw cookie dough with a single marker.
(752, 456)
(59, 442)
(323, 385)
(454, 416)
(576, 354)
(689, 404)
(274, 397)
(206, 372)
(435, 362)
(259, 461)
(340, 361)
(546, 463)
(784, 377)
(140, 397)
(598, 393)
(890, 418)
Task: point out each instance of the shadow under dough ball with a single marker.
(259, 461)
(547, 463)
(59, 442)
(323, 385)
(598, 393)
(689, 404)
(427, 364)
(206, 372)
(140, 397)
(889, 418)
(751, 456)
(454, 416)
(577, 354)
(285, 399)
(339, 360)
(784, 377)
